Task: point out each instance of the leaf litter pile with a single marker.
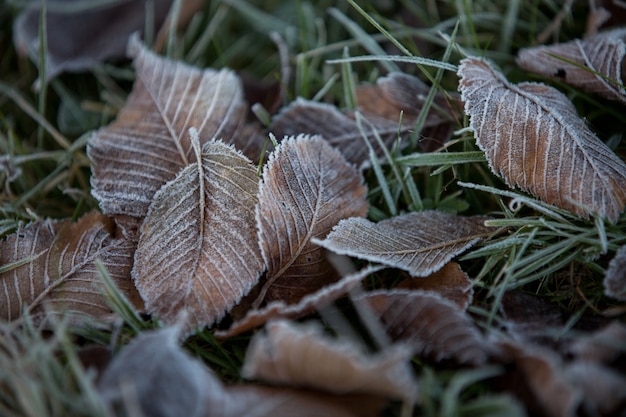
(342, 290)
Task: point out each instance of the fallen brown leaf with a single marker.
(533, 138)
(197, 248)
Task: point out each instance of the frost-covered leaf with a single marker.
(615, 278)
(419, 242)
(532, 136)
(391, 106)
(156, 378)
(197, 248)
(301, 355)
(537, 376)
(450, 282)
(148, 144)
(603, 389)
(595, 64)
(309, 303)
(604, 345)
(307, 187)
(78, 38)
(434, 327)
(401, 96)
(604, 14)
(50, 267)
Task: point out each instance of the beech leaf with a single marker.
(594, 64)
(307, 187)
(419, 242)
(301, 355)
(147, 145)
(55, 267)
(434, 327)
(533, 138)
(197, 248)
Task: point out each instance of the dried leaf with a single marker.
(307, 188)
(603, 389)
(615, 278)
(539, 375)
(450, 282)
(301, 355)
(309, 303)
(79, 36)
(604, 14)
(326, 120)
(419, 242)
(401, 96)
(532, 136)
(154, 377)
(55, 267)
(147, 145)
(594, 64)
(197, 249)
(432, 326)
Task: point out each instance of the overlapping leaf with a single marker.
(147, 145)
(307, 188)
(532, 136)
(197, 249)
(433, 326)
(303, 356)
(51, 267)
(595, 64)
(395, 98)
(419, 242)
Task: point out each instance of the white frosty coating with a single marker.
(533, 138)
(599, 58)
(197, 249)
(148, 144)
(419, 242)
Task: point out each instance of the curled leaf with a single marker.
(309, 303)
(307, 187)
(303, 356)
(595, 64)
(432, 326)
(533, 138)
(50, 267)
(419, 242)
(197, 249)
(147, 145)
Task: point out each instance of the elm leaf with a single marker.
(595, 64)
(147, 145)
(307, 187)
(59, 274)
(419, 242)
(197, 249)
(533, 138)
